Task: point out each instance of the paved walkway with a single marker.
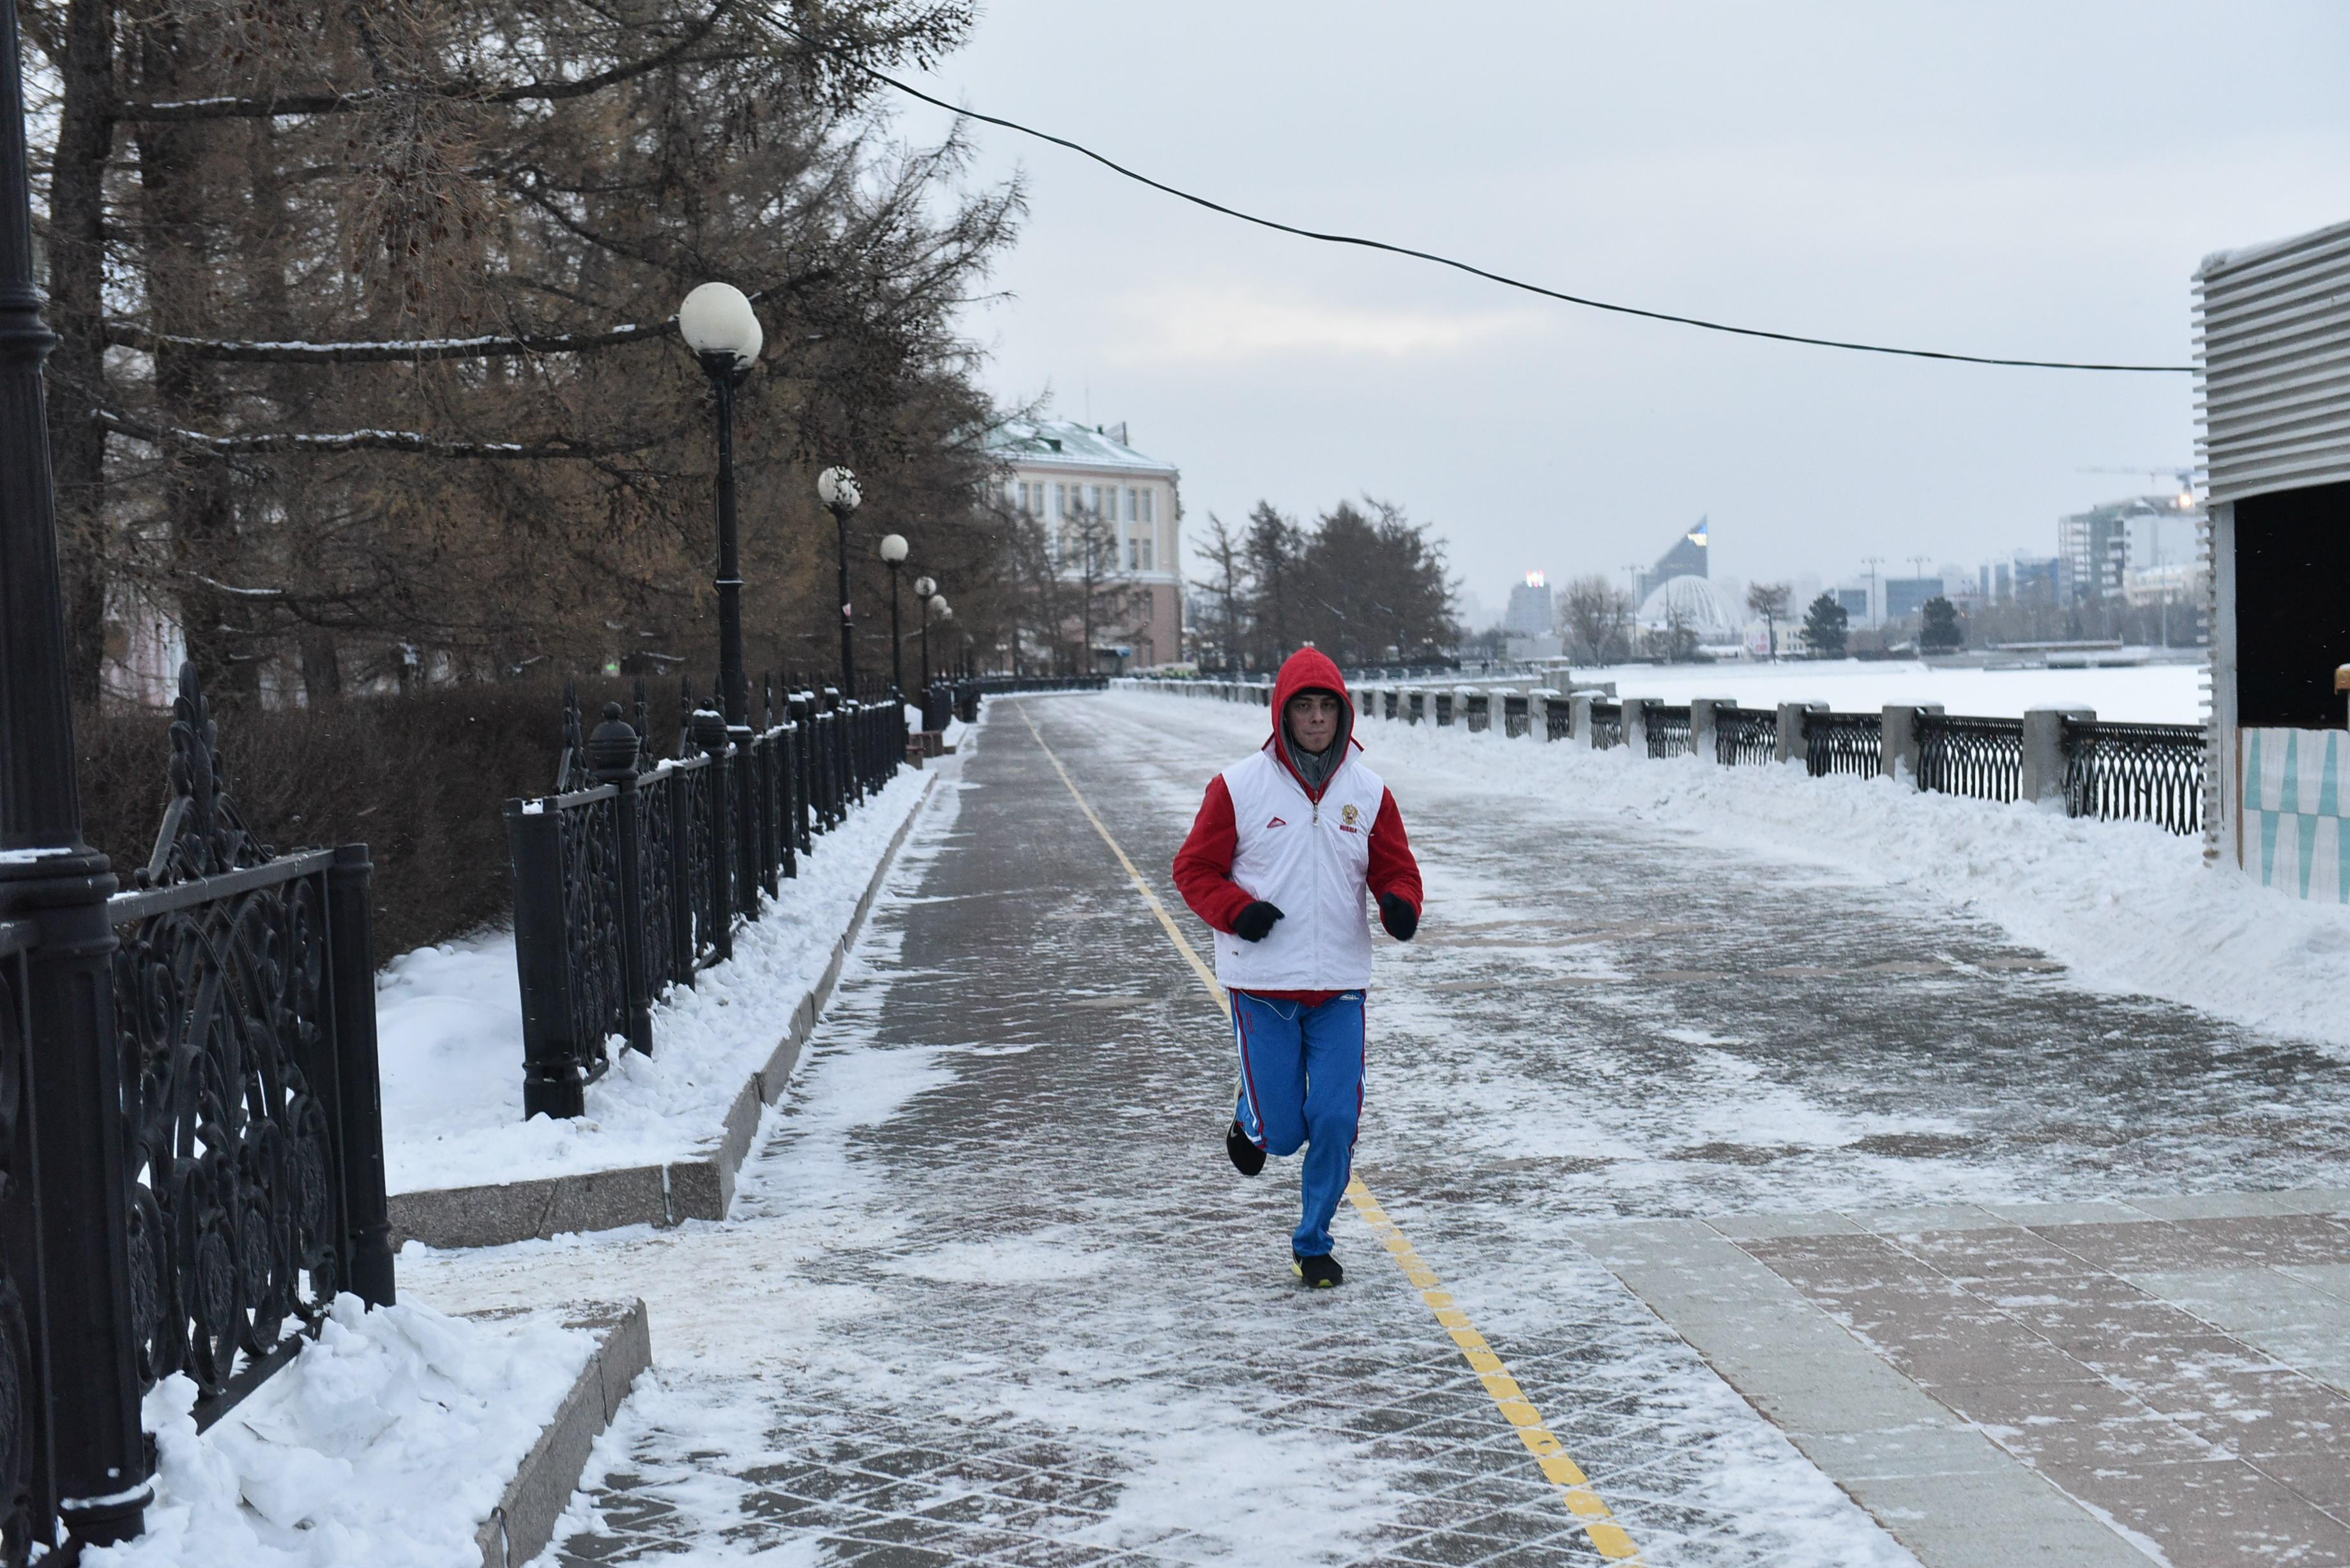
(992, 1293)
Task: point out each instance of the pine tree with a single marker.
(1825, 627)
(1940, 631)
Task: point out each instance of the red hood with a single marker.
(1308, 669)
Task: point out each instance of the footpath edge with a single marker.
(523, 1520)
(494, 1214)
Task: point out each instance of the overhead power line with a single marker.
(1362, 242)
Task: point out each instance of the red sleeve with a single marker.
(1393, 869)
(1204, 866)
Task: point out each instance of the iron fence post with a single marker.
(746, 848)
(100, 1459)
(612, 760)
(709, 733)
(554, 1082)
(366, 1211)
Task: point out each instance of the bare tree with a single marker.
(1598, 613)
(1769, 600)
(1227, 582)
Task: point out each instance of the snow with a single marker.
(2126, 906)
(2145, 694)
(387, 1442)
(449, 1032)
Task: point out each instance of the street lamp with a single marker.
(718, 324)
(925, 588)
(838, 489)
(50, 874)
(893, 555)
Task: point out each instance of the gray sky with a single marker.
(2036, 180)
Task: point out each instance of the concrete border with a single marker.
(523, 1520)
(497, 1213)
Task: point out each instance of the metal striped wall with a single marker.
(2273, 357)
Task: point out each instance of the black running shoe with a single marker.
(1323, 1272)
(1247, 1158)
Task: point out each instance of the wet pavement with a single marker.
(992, 1293)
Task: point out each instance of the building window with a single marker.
(1138, 554)
(1129, 503)
(1060, 501)
(1147, 494)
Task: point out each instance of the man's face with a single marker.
(1313, 719)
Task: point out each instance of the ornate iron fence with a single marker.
(1850, 743)
(634, 875)
(1558, 719)
(1978, 757)
(1516, 721)
(1742, 736)
(1478, 711)
(1606, 725)
(1443, 705)
(2137, 772)
(1668, 730)
(244, 1006)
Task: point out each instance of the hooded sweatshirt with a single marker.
(1313, 842)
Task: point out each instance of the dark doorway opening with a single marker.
(2293, 606)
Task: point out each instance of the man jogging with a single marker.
(1286, 846)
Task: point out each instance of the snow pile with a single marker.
(449, 1027)
(387, 1442)
(2126, 906)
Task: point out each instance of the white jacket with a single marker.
(1310, 859)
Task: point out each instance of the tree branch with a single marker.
(294, 104)
(347, 441)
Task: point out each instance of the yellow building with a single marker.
(1111, 513)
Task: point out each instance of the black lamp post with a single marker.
(81, 1238)
(925, 590)
(717, 323)
(838, 489)
(893, 555)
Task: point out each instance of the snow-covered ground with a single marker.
(387, 1442)
(2124, 906)
(2148, 694)
(449, 1026)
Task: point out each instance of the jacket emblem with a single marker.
(1351, 814)
(1276, 822)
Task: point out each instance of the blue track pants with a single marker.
(1302, 1086)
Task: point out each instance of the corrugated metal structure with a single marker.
(2273, 361)
(2273, 353)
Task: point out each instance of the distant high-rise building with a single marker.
(1529, 613)
(1854, 602)
(1687, 558)
(1908, 596)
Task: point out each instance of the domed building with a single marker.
(1695, 603)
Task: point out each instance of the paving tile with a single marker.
(2215, 1512)
(2257, 1413)
(2308, 1240)
(2052, 1424)
(1758, 1226)
(1947, 1217)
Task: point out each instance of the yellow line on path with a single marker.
(1574, 1488)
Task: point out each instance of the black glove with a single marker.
(1397, 916)
(1255, 922)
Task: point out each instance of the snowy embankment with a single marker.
(2147, 694)
(387, 1442)
(448, 1023)
(2124, 906)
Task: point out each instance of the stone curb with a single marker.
(523, 1523)
(497, 1213)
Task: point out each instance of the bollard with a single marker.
(1636, 724)
(1578, 718)
(2043, 778)
(1705, 744)
(1791, 748)
(1898, 754)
